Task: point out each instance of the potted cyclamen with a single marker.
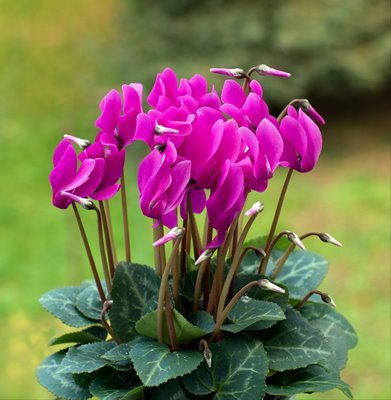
(216, 316)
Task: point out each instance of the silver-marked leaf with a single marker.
(202, 320)
(248, 311)
(314, 311)
(185, 331)
(133, 286)
(239, 368)
(305, 380)
(339, 348)
(64, 386)
(88, 335)
(110, 387)
(294, 343)
(89, 302)
(171, 390)
(302, 272)
(85, 358)
(120, 352)
(62, 304)
(156, 364)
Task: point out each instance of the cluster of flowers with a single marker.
(200, 143)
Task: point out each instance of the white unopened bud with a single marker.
(326, 237)
(207, 253)
(327, 299)
(161, 130)
(263, 69)
(82, 143)
(173, 234)
(266, 284)
(295, 240)
(256, 208)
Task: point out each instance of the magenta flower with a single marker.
(67, 177)
(246, 110)
(302, 140)
(121, 121)
(233, 72)
(162, 180)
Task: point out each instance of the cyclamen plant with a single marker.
(216, 317)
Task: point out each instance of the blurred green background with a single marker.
(57, 59)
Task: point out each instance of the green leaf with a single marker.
(120, 352)
(305, 380)
(339, 348)
(85, 358)
(294, 343)
(185, 331)
(133, 286)
(302, 272)
(318, 311)
(171, 390)
(88, 335)
(189, 285)
(248, 311)
(109, 386)
(156, 364)
(239, 368)
(203, 320)
(89, 303)
(64, 386)
(61, 303)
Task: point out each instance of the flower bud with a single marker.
(295, 240)
(263, 69)
(256, 208)
(85, 203)
(266, 284)
(325, 237)
(82, 143)
(207, 253)
(312, 113)
(327, 299)
(161, 130)
(173, 234)
(234, 72)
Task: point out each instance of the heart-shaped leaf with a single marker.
(185, 331)
(156, 364)
(88, 335)
(133, 286)
(238, 372)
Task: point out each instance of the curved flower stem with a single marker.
(282, 260)
(111, 234)
(170, 322)
(156, 253)
(262, 266)
(194, 232)
(163, 289)
(223, 315)
(106, 307)
(175, 281)
(107, 238)
(89, 254)
(102, 249)
(162, 248)
(219, 274)
(183, 249)
(125, 219)
(326, 298)
(234, 265)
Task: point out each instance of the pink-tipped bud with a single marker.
(256, 208)
(82, 143)
(326, 298)
(173, 234)
(266, 284)
(234, 72)
(312, 113)
(268, 71)
(207, 253)
(85, 203)
(295, 240)
(326, 237)
(161, 130)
